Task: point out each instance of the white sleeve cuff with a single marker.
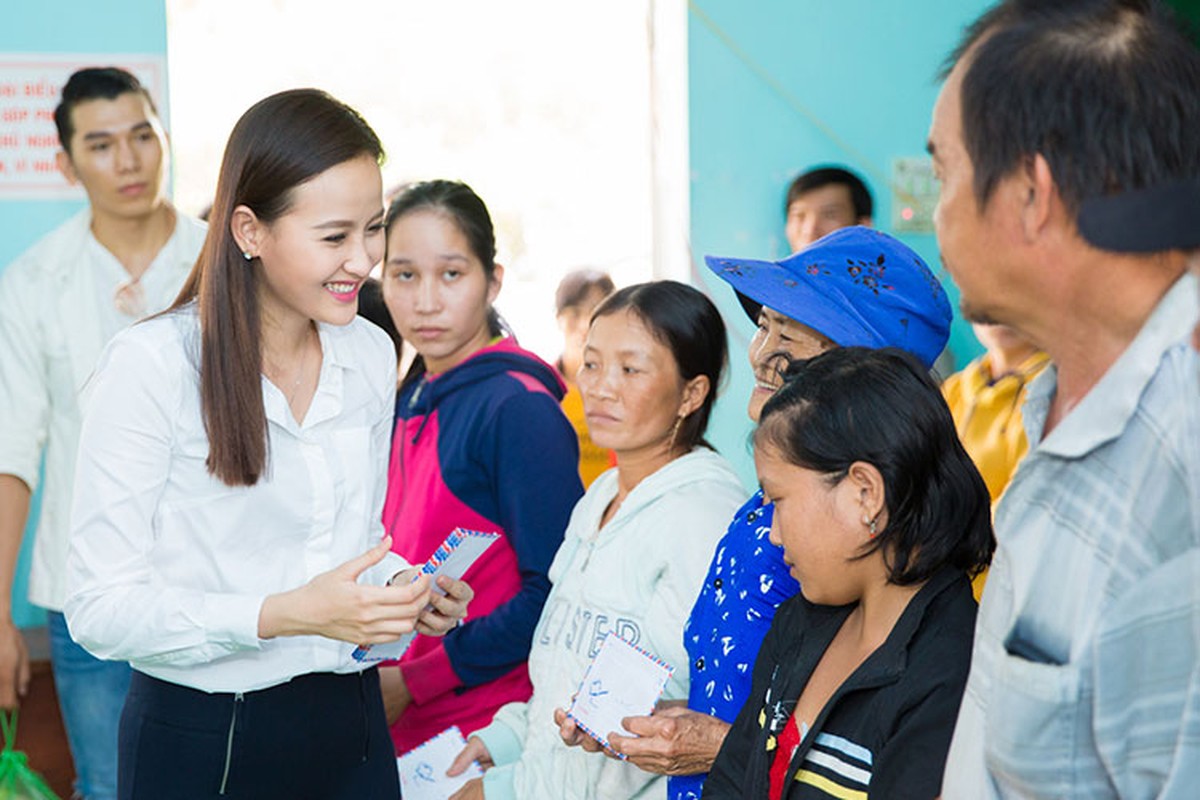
(382, 572)
(233, 618)
(503, 743)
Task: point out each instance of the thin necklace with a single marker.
(290, 392)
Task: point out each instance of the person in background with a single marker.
(480, 442)
(124, 256)
(225, 532)
(883, 519)
(823, 200)
(884, 295)
(578, 294)
(985, 399)
(1084, 680)
(638, 543)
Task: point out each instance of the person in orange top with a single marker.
(985, 400)
(577, 296)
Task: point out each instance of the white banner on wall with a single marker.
(29, 88)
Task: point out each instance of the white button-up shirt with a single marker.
(168, 566)
(57, 312)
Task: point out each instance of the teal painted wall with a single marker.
(71, 27)
(759, 75)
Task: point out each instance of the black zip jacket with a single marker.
(885, 732)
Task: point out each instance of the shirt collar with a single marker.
(1104, 412)
(168, 256)
(327, 402)
(977, 377)
(890, 659)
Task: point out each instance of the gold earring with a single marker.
(675, 433)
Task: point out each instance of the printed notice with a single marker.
(29, 91)
(622, 681)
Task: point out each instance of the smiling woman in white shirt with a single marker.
(226, 536)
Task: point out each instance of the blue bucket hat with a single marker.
(856, 286)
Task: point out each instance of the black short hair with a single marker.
(94, 83)
(1107, 91)
(805, 182)
(880, 407)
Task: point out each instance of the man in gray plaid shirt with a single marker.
(1065, 137)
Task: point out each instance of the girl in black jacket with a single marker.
(883, 518)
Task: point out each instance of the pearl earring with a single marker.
(246, 255)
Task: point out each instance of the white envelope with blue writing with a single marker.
(423, 769)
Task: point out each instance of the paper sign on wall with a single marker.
(30, 85)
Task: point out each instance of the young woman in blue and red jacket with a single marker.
(480, 442)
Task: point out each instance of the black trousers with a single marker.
(316, 737)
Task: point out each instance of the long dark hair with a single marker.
(278, 144)
(881, 407)
(690, 326)
(457, 201)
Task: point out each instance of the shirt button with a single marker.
(718, 583)
(753, 515)
(700, 663)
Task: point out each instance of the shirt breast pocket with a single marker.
(1035, 720)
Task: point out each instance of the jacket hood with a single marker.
(700, 465)
(505, 356)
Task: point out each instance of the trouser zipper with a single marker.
(362, 698)
(237, 703)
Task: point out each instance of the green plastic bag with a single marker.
(17, 780)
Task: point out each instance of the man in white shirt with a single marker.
(1055, 121)
(123, 257)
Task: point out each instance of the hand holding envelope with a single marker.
(622, 681)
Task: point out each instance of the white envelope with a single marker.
(423, 769)
(622, 681)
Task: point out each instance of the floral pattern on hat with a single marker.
(869, 274)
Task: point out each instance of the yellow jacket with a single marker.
(987, 414)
